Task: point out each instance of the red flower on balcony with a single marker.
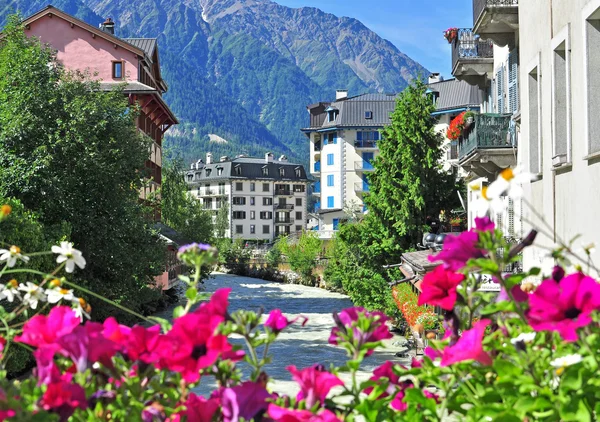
(450, 34)
(456, 127)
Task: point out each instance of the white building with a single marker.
(266, 197)
(560, 92)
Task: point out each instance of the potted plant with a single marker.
(430, 323)
(456, 127)
(451, 34)
(455, 221)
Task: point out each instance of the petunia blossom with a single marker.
(484, 224)
(45, 330)
(468, 347)
(439, 288)
(281, 414)
(199, 409)
(277, 322)
(518, 294)
(247, 400)
(6, 414)
(46, 370)
(217, 304)
(458, 250)
(565, 306)
(87, 345)
(63, 397)
(315, 383)
(385, 371)
(347, 320)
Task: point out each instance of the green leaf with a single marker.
(178, 311)
(191, 293)
(504, 306)
(570, 380)
(575, 409)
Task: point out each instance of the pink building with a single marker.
(129, 62)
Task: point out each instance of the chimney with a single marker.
(283, 158)
(199, 164)
(269, 157)
(341, 94)
(435, 77)
(208, 158)
(108, 26)
(223, 158)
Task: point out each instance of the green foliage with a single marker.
(274, 256)
(222, 219)
(180, 210)
(234, 256)
(72, 155)
(302, 254)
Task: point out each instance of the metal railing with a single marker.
(282, 207)
(480, 5)
(363, 166)
(365, 144)
(487, 131)
(284, 192)
(361, 187)
(288, 220)
(469, 46)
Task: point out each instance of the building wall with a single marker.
(567, 197)
(77, 49)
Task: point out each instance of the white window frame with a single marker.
(536, 65)
(590, 10)
(563, 36)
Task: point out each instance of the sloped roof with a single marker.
(171, 236)
(352, 111)
(147, 45)
(455, 94)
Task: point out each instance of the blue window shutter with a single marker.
(330, 180)
(329, 159)
(377, 135)
(336, 223)
(500, 89)
(330, 202)
(335, 137)
(359, 136)
(513, 81)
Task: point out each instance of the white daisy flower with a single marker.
(563, 362)
(524, 337)
(509, 183)
(9, 291)
(33, 294)
(11, 255)
(67, 253)
(56, 294)
(486, 204)
(82, 308)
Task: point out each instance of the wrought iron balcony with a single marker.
(496, 19)
(488, 145)
(363, 166)
(365, 144)
(472, 57)
(283, 207)
(287, 220)
(283, 192)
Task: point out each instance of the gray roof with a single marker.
(170, 235)
(454, 94)
(250, 168)
(148, 45)
(129, 87)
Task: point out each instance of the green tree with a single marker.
(71, 153)
(408, 183)
(222, 219)
(180, 210)
(302, 254)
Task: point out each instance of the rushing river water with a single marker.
(297, 345)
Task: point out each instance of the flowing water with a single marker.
(298, 345)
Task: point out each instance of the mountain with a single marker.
(241, 72)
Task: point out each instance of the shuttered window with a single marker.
(513, 81)
(500, 90)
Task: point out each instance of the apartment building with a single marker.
(487, 56)
(266, 198)
(560, 93)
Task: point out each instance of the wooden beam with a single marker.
(147, 103)
(154, 119)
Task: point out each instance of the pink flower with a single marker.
(199, 409)
(281, 414)
(398, 402)
(277, 322)
(138, 343)
(484, 224)
(63, 397)
(432, 354)
(518, 294)
(2, 344)
(115, 331)
(347, 320)
(6, 414)
(565, 306)
(458, 250)
(247, 400)
(86, 345)
(315, 383)
(468, 346)
(385, 371)
(217, 305)
(439, 288)
(46, 370)
(42, 330)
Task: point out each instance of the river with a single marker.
(297, 345)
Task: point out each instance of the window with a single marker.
(117, 70)
(500, 90)
(218, 203)
(219, 171)
(282, 202)
(207, 203)
(282, 172)
(251, 200)
(252, 186)
(266, 229)
(298, 215)
(561, 102)
(239, 229)
(265, 171)
(237, 170)
(190, 177)
(298, 173)
(330, 180)
(239, 200)
(239, 186)
(252, 215)
(299, 202)
(368, 135)
(299, 188)
(252, 229)
(330, 138)
(535, 144)
(238, 215)
(329, 159)
(330, 202)
(267, 201)
(266, 215)
(266, 187)
(513, 82)
(368, 114)
(298, 228)
(592, 72)
(207, 190)
(221, 188)
(208, 171)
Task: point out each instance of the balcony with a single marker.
(363, 166)
(472, 58)
(317, 146)
(488, 146)
(287, 220)
(317, 167)
(283, 207)
(361, 187)
(497, 20)
(284, 192)
(317, 188)
(365, 145)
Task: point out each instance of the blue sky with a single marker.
(415, 27)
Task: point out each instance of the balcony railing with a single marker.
(317, 146)
(361, 187)
(365, 144)
(469, 46)
(363, 166)
(283, 207)
(288, 220)
(480, 6)
(317, 187)
(489, 131)
(283, 192)
(317, 167)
